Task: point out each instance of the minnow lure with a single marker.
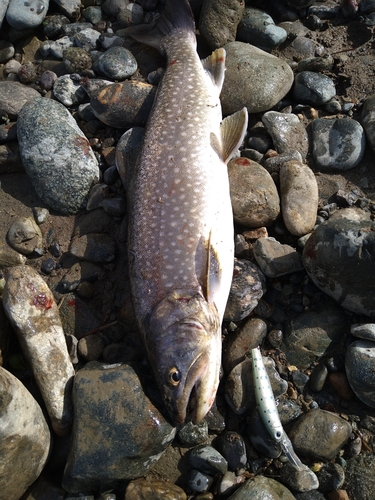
(268, 410)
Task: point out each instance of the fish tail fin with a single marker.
(176, 16)
(214, 66)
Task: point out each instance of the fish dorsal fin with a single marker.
(214, 66)
(214, 272)
(233, 130)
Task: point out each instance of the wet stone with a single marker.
(192, 435)
(248, 286)
(31, 309)
(118, 432)
(363, 331)
(207, 460)
(262, 488)
(331, 477)
(24, 235)
(313, 88)
(87, 39)
(338, 144)
(258, 28)
(25, 439)
(68, 91)
(359, 366)
(153, 489)
(298, 480)
(254, 197)
(198, 481)
(319, 434)
(275, 259)
(344, 243)
(232, 446)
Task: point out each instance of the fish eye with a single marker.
(174, 376)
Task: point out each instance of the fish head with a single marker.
(184, 347)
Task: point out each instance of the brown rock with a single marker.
(153, 489)
(340, 383)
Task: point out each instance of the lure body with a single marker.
(268, 409)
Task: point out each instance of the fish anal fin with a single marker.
(233, 130)
(214, 65)
(214, 272)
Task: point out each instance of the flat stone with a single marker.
(276, 259)
(118, 432)
(13, 96)
(360, 368)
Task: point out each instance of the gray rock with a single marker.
(287, 131)
(275, 259)
(24, 235)
(254, 79)
(9, 257)
(93, 14)
(31, 309)
(117, 63)
(313, 333)
(7, 49)
(339, 258)
(52, 26)
(313, 88)
(262, 488)
(76, 60)
(248, 286)
(331, 477)
(360, 368)
(25, 15)
(359, 477)
(25, 440)
(131, 14)
(113, 7)
(68, 90)
(206, 459)
(193, 434)
(301, 48)
(56, 155)
(232, 446)
(299, 480)
(70, 8)
(13, 96)
(368, 120)
(199, 482)
(87, 39)
(338, 144)
(3, 8)
(363, 331)
(299, 197)
(254, 197)
(56, 48)
(258, 28)
(218, 21)
(118, 432)
(127, 150)
(153, 488)
(274, 163)
(319, 434)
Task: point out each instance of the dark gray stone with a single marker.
(118, 433)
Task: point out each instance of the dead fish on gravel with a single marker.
(181, 225)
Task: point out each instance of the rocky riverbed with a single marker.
(80, 415)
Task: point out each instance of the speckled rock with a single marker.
(298, 480)
(218, 21)
(254, 79)
(275, 259)
(77, 60)
(123, 105)
(360, 368)
(155, 489)
(25, 440)
(116, 63)
(338, 144)
(262, 488)
(319, 434)
(313, 88)
(248, 286)
(258, 28)
(299, 197)
(313, 333)
(254, 197)
(68, 90)
(118, 433)
(344, 244)
(368, 120)
(70, 8)
(13, 96)
(287, 131)
(359, 477)
(56, 155)
(31, 309)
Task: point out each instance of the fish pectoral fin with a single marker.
(214, 273)
(233, 129)
(214, 66)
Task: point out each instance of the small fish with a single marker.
(180, 217)
(268, 410)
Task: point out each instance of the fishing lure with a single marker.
(268, 410)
